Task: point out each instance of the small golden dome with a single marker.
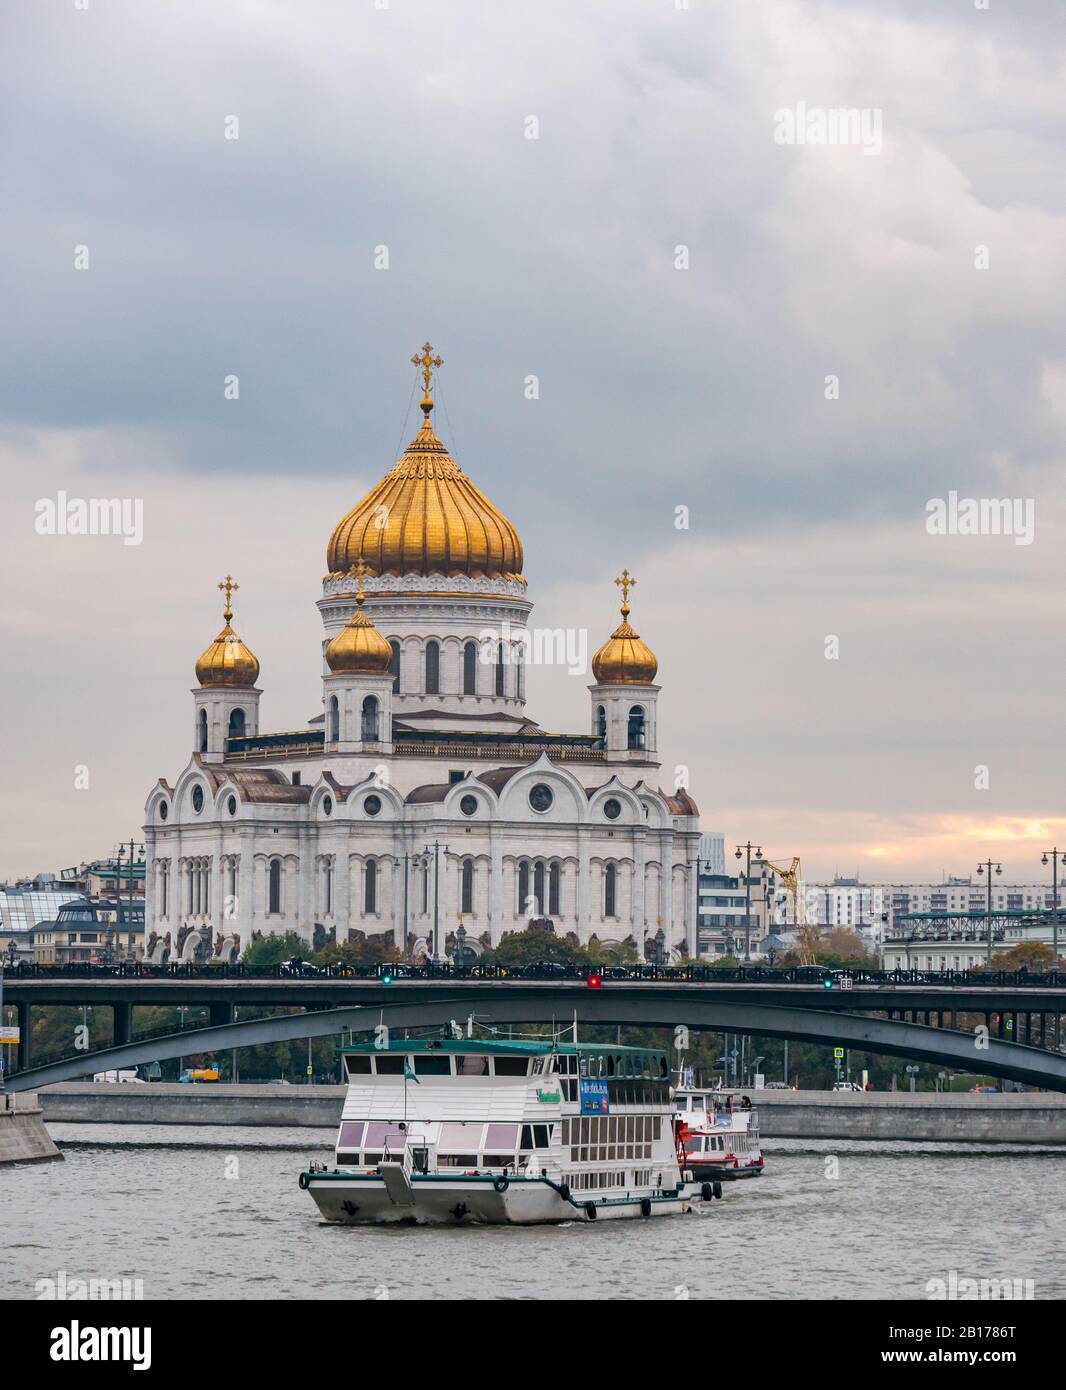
(426, 516)
(624, 659)
(227, 661)
(359, 648)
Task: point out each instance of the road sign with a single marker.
(838, 1052)
(9, 1034)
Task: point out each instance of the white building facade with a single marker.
(424, 797)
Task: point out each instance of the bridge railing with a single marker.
(696, 973)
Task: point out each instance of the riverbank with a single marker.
(925, 1116)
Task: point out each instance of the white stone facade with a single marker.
(330, 832)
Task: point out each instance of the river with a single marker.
(215, 1214)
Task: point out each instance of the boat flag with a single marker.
(408, 1074)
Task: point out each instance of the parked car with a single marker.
(846, 1086)
(776, 1086)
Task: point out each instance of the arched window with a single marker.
(610, 883)
(334, 731)
(274, 904)
(370, 886)
(499, 668)
(425, 888)
(601, 722)
(432, 668)
(553, 891)
(164, 885)
(394, 665)
(327, 886)
(538, 888)
(370, 719)
(236, 723)
(520, 675)
(636, 727)
(470, 668)
(466, 900)
(523, 887)
(203, 731)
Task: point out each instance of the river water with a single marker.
(215, 1213)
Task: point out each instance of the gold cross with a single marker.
(229, 587)
(427, 362)
(357, 571)
(626, 580)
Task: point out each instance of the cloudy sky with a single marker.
(681, 283)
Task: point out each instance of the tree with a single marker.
(844, 943)
(1028, 955)
(372, 951)
(272, 950)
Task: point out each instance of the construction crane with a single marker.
(791, 877)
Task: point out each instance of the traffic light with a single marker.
(594, 981)
(827, 983)
(386, 979)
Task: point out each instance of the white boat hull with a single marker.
(364, 1199)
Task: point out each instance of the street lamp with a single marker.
(1056, 855)
(741, 850)
(981, 868)
(435, 849)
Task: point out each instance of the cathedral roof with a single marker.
(359, 648)
(625, 659)
(425, 516)
(227, 661)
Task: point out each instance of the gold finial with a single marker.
(427, 362)
(357, 571)
(626, 580)
(229, 587)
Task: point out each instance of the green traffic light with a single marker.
(827, 983)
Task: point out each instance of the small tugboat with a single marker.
(504, 1132)
(721, 1134)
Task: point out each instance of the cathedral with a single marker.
(423, 805)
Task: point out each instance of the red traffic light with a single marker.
(594, 981)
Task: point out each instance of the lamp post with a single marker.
(436, 848)
(747, 849)
(1056, 855)
(988, 866)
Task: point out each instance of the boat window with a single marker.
(500, 1161)
(536, 1137)
(511, 1066)
(358, 1064)
(472, 1066)
(351, 1135)
(664, 1068)
(610, 1066)
(389, 1066)
(454, 1135)
(380, 1133)
(433, 1066)
(501, 1137)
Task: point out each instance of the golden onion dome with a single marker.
(359, 648)
(227, 661)
(624, 659)
(425, 516)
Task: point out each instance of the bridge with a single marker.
(878, 1018)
